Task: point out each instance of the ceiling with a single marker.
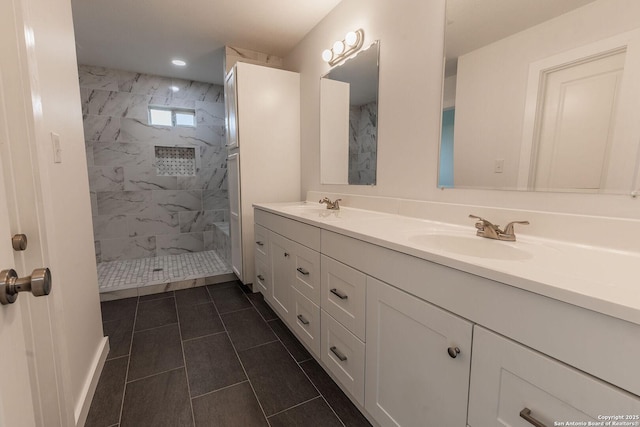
(472, 24)
(145, 35)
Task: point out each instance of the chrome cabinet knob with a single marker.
(453, 352)
(39, 284)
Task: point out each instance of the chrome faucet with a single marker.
(492, 231)
(335, 206)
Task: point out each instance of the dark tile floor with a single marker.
(210, 356)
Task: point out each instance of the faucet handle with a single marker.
(336, 204)
(482, 222)
(509, 228)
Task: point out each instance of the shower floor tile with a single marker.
(134, 273)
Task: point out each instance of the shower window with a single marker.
(172, 117)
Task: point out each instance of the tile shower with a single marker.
(158, 193)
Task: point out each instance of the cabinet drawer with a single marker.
(261, 236)
(263, 279)
(343, 354)
(507, 378)
(306, 321)
(307, 273)
(343, 295)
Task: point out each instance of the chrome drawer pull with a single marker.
(259, 243)
(338, 353)
(302, 271)
(302, 319)
(526, 414)
(260, 276)
(339, 294)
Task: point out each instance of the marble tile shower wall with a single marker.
(363, 150)
(136, 213)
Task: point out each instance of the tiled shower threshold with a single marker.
(144, 276)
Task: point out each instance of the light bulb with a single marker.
(351, 38)
(338, 47)
(178, 62)
(327, 55)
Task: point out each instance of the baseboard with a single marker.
(84, 403)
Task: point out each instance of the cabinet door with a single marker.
(509, 379)
(235, 214)
(281, 255)
(411, 380)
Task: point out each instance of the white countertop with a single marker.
(599, 279)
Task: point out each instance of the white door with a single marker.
(16, 404)
(235, 214)
(32, 387)
(577, 122)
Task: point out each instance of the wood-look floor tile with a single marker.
(155, 313)
(339, 402)
(212, 364)
(199, 320)
(107, 400)
(277, 379)
(313, 413)
(230, 407)
(158, 401)
(247, 329)
(154, 351)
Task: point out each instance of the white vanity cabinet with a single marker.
(418, 360)
(262, 128)
(416, 343)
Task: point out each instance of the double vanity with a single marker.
(423, 323)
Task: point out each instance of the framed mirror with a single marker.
(349, 120)
(541, 95)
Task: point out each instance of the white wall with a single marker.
(65, 191)
(411, 66)
(492, 87)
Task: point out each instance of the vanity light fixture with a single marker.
(343, 48)
(178, 62)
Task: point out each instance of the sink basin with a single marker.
(474, 246)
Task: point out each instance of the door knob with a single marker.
(39, 284)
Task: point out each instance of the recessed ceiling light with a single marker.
(178, 62)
